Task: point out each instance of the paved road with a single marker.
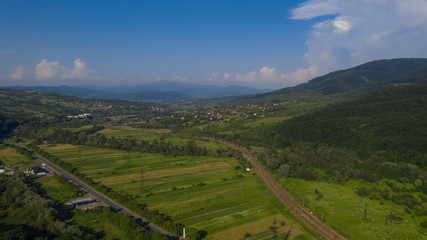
(101, 197)
(296, 209)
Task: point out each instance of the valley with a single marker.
(351, 153)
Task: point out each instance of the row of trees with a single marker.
(90, 138)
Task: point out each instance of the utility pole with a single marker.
(274, 228)
(366, 211)
(80, 154)
(303, 202)
(142, 180)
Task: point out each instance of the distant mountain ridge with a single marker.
(164, 90)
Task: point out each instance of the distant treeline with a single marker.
(91, 138)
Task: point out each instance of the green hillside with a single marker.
(42, 109)
(386, 119)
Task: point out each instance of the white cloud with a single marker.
(19, 73)
(268, 76)
(358, 31)
(226, 76)
(79, 71)
(53, 70)
(48, 70)
(250, 77)
(179, 78)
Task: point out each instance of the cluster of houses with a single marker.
(36, 171)
(83, 115)
(32, 171)
(6, 171)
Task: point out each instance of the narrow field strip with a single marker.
(216, 211)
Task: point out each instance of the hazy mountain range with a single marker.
(164, 90)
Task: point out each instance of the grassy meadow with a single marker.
(202, 192)
(344, 211)
(11, 158)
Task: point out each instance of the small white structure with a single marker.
(2, 169)
(37, 171)
(248, 169)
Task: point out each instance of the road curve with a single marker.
(296, 209)
(101, 197)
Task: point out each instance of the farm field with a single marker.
(10, 157)
(58, 189)
(202, 192)
(344, 211)
(148, 135)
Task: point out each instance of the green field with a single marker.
(11, 158)
(344, 211)
(149, 135)
(58, 190)
(202, 192)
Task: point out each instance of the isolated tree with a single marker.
(283, 170)
(273, 163)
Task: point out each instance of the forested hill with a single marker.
(338, 85)
(350, 82)
(393, 118)
(376, 72)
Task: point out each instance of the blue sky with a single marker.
(263, 43)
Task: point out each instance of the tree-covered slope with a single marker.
(388, 119)
(335, 86)
(366, 74)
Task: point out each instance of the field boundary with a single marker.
(295, 208)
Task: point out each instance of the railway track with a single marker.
(296, 209)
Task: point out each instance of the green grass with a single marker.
(344, 211)
(202, 192)
(101, 225)
(265, 120)
(148, 135)
(53, 188)
(11, 158)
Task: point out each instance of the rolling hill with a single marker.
(164, 90)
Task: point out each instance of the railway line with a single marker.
(296, 209)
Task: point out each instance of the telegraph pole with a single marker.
(142, 180)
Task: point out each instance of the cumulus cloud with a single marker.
(79, 71)
(226, 76)
(48, 70)
(179, 78)
(265, 76)
(359, 31)
(19, 73)
(250, 77)
(53, 70)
